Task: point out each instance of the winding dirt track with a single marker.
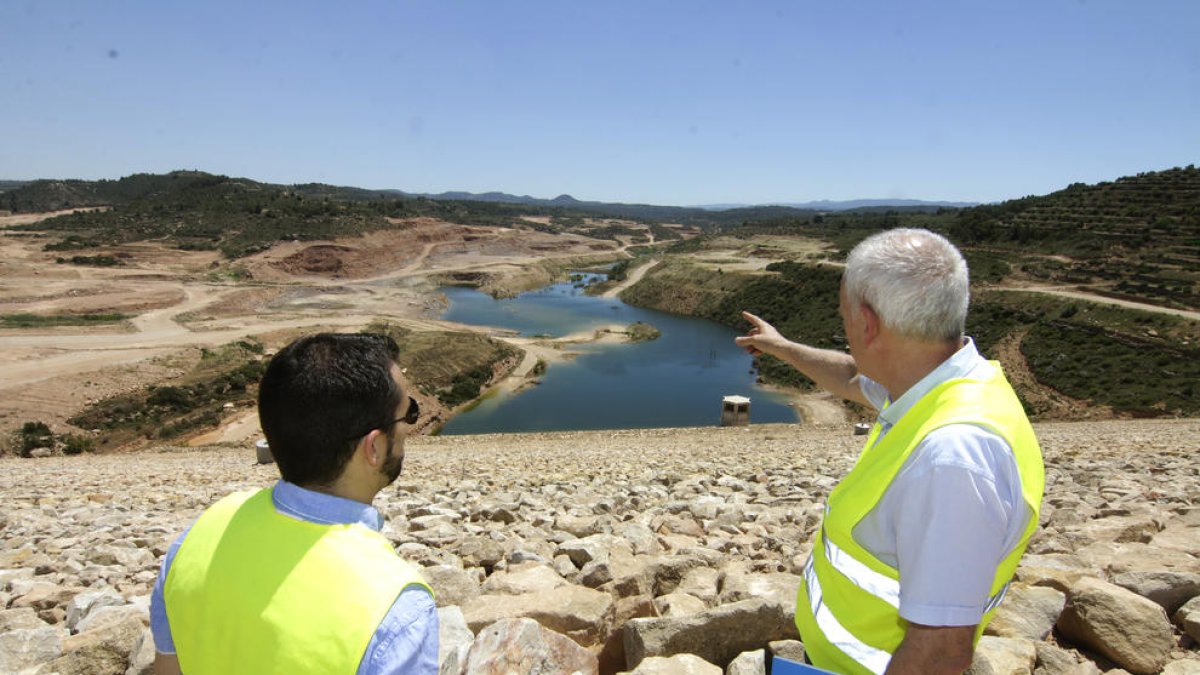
(633, 277)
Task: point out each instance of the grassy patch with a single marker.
(50, 320)
(642, 332)
(227, 374)
(453, 366)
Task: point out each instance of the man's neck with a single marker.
(346, 490)
(906, 362)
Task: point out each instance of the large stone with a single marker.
(640, 537)
(45, 595)
(612, 654)
(19, 618)
(90, 600)
(702, 583)
(523, 646)
(1123, 626)
(1054, 660)
(118, 636)
(29, 647)
(1114, 558)
(680, 664)
(1169, 589)
(792, 650)
(453, 632)
(1027, 612)
(127, 557)
(480, 552)
(1182, 667)
(679, 604)
(525, 578)
(141, 659)
(1179, 537)
(666, 572)
(1003, 656)
(595, 547)
(748, 663)
(716, 635)
(1187, 618)
(780, 586)
(580, 613)
(455, 662)
(580, 526)
(110, 614)
(452, 585)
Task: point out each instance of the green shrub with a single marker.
(74, 444)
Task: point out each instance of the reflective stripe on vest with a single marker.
(877, 584)
(254, 591)
(875, 660)
(848, 603)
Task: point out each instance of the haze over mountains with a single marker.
(568, 201)
(818, 205)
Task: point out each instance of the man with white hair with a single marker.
(920, 540)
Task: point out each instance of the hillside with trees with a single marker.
(1136, 238)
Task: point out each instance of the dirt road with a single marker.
(1073, 292)
(632, 278)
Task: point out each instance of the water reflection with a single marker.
(676, 380)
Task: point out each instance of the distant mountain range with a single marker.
(847, 205)
(821, 205)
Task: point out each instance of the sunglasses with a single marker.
(411, 415)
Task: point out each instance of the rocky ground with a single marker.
(652, 551)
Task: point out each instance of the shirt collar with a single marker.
(959, 365)
(323, 509)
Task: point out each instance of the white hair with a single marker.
(915, 280)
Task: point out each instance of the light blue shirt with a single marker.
(954, 510)
(407, 638)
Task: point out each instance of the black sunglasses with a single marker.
(410, 417)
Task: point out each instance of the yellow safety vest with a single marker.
(848, 606)
(254, 591)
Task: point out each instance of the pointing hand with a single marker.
(761, 338)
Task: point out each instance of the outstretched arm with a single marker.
(831, 370)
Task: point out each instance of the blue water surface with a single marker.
(677, 380)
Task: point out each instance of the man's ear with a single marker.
(871, 324)
(366, 445)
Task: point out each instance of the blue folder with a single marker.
(782, 666)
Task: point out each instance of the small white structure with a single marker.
(735, 411)
(263, 452)
(862, 429)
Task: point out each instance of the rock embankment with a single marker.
(652, 551)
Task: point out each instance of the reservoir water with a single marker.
(676, 380)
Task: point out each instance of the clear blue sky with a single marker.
(660, 102)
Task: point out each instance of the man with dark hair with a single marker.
(296, 578)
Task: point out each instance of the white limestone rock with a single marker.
(680, 664)
(1027, 612)
(1123, 626)
(1003, 656)
(748, 663)
(29, 647)
(523, 646)
(453, 633)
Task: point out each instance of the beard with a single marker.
(393, 463)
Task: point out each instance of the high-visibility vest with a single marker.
(848, 606)
(254, 591)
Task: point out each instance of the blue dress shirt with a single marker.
(407, 638)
